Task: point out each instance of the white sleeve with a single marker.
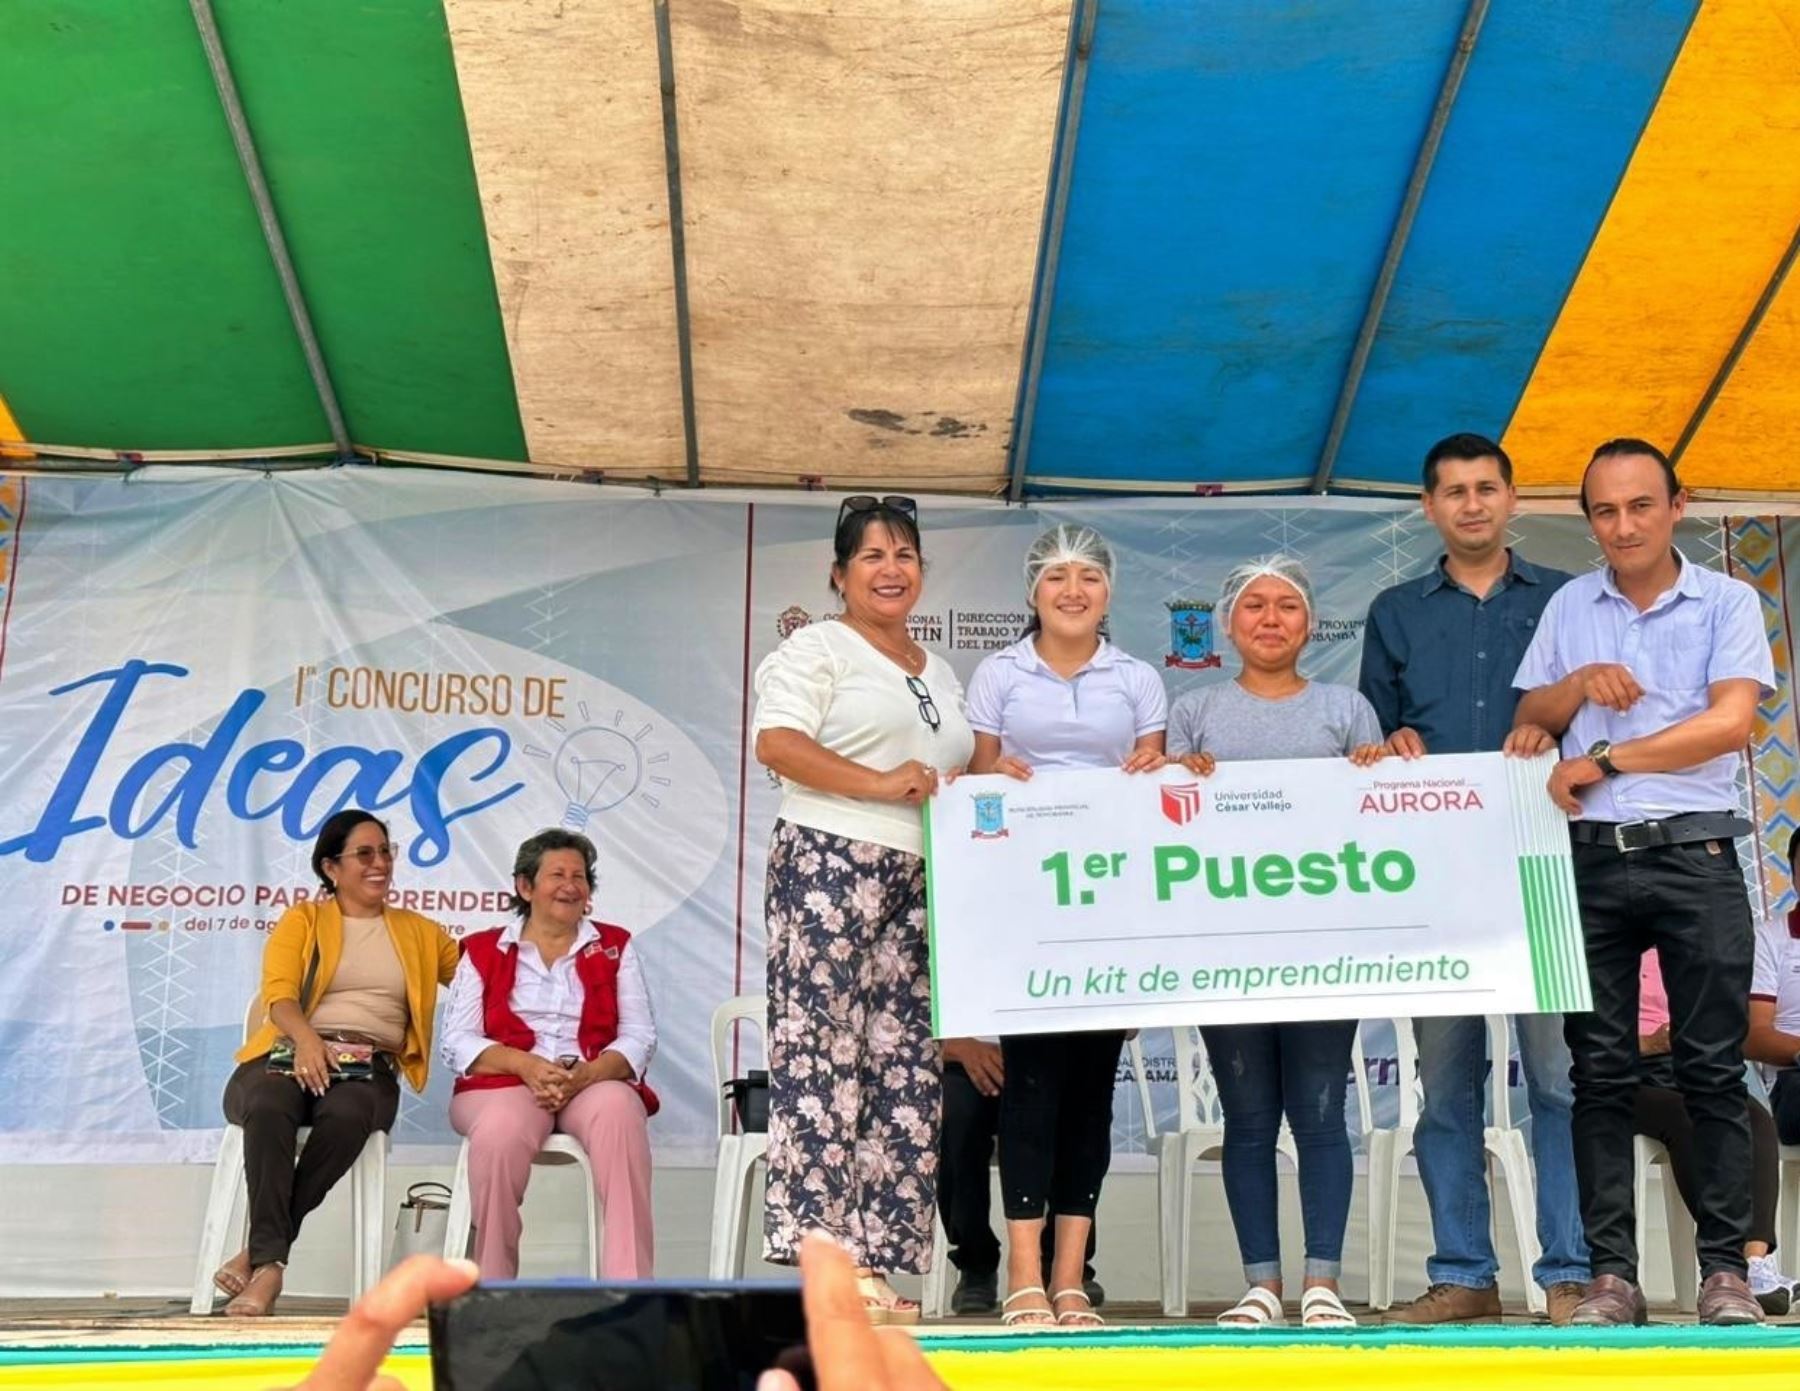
(636, 1041)
(1150, 702)
(1543, 663)
(463, 1039)
(794, 685)
(985, 704)
(1771, 947)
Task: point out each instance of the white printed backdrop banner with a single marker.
(195, 670)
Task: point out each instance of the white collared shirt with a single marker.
(1706, 628)
(1092, 719)
(548, 999)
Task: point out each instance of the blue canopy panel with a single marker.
(1550, 111)
(1238, 171)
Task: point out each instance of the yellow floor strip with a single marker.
(1113, 1369)
(1698, 225)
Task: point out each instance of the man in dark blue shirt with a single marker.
(1439, 653)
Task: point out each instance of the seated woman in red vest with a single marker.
(548, 1028)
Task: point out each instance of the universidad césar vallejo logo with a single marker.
(1190, 635)
(990, 816)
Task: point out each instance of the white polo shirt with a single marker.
(1088, 720)
(1777, 976)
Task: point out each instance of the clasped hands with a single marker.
(554, 1086)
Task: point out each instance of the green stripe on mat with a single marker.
(1686, 1337)
(175, 1352)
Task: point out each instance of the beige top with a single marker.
(368, 992)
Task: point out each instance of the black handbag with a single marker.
(750, 1100)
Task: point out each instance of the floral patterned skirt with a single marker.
(854, 1081)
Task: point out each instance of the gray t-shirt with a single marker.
(1226, 721)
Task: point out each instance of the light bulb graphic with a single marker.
(596, 768)
(600, 766)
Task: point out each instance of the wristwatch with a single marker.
(1601, 752)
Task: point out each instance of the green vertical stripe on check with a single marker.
(1554, 929)
(1534, 936)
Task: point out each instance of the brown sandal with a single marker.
(249, 1305)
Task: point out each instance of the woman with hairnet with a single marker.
(1262, 1070)
(1060, 697)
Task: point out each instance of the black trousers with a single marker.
(1056, 1122)
(1688, 902)
(271, 1109)
(1785, 1097)
(965, 1149)
(1660, 1113)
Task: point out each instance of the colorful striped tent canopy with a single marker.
(964, 245)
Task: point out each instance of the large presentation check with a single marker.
(1302, 889)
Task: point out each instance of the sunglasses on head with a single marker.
(866, 502)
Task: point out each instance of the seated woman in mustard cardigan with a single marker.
(347, 966)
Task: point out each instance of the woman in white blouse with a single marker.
(548, 1028)
(859, 721)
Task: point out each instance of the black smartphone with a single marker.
(631, 1336)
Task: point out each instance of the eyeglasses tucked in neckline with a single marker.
(366, 855)
(928, 710)
(866, 502)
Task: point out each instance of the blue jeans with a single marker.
(1263, 1070)
(1453, 1168)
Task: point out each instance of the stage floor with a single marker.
(112, 1344)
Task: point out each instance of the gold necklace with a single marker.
(907, 661)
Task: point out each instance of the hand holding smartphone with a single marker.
(632, 1336)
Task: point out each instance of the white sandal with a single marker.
(1321, 1308)
(1259, 1308)
(1026, 1318)
(1084, 1317)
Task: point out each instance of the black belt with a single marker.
(1626, 836)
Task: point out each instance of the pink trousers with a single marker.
(506, 1129)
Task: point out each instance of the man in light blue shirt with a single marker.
(1650, 672)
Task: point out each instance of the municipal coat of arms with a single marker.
(1190, 635)
(990, 816)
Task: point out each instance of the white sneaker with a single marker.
(1773, 1290)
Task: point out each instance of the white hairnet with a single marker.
(1285, 568)
(1065, 544)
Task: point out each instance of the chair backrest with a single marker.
(254, 1014)
(1134, 1051)
(1500, 1079)
(1196, 1093)
(1412, 1095)
(740, 1009)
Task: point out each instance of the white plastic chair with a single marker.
(739, 1154)
(1684, 1262)
(1200, 1135)
(228, 1202)
(1787, 1215)
(558, 1151)
(1502, 1141)
(933, 1301)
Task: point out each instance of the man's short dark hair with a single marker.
(1464, 446)
(1623, 446)
(531, 857)
(1793, 853)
